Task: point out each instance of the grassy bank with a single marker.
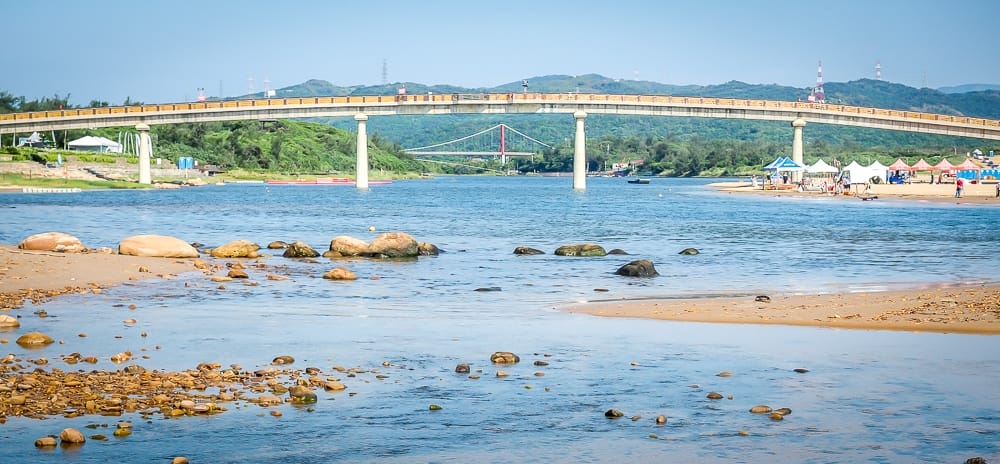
(11, 180)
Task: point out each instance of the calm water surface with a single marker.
(869, 396)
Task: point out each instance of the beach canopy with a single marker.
(773, 164)
(91, 143)
(967, 165)
(944, 165)
(787, 165)
(820, 167)
(922, 166)
(899, 165)
(877, 169)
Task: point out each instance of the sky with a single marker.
(160, 51)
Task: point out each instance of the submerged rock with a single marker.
(504, 357)
(299, 249)
(581, 249)
(236, 249)
(689, 251)
(638, 268)
(523, 250)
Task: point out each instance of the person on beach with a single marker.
(959, 185)
(998, 189)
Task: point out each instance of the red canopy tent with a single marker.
(967, 165)
(944, 165)
(899, 165)
(922, 166)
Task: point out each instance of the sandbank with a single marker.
(967, 309)
(973, 194)
(34, 274)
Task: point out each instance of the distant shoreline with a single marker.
(974, 194)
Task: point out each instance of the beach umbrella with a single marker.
(944, 165)
(899, 165)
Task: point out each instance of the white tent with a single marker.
(862, 174)
(879, 170)
(820, 167)
(91, 143)
(857, 173)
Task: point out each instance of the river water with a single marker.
(869, 396)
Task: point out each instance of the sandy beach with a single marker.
(41, 274)
(974, 194)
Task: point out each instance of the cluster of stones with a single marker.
(773, 414)
(29, 391)
(636, 268)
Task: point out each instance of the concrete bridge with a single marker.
(798, 114)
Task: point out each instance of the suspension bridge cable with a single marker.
(453, 141)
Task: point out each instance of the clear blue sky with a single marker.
(163, 51)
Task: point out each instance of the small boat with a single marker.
(638, 181)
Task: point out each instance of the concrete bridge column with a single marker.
(145, 149)
(797, 126)
(580, 154)
(362, 163)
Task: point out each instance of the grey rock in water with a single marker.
(299, 249)
(689, 251)
(617, 251)
(428, 249)
(463, 368)
(523, 250)
(638, 268)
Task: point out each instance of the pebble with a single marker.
(714, 396)
(760, 409)
(661, 419)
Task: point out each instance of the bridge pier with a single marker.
(145, 149)
(797, 126)
(361, 169)
(580, 154)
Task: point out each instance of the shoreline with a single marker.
(973, 309)
(39, 275)
(965, 309)
(973, 194)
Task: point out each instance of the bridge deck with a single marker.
(346, 106)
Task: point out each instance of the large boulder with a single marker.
(582, 249)
(52, 241)
(638, 268)
(344, 245)
(236, 249)
(160, 246)
(394, 245)
(299, 249)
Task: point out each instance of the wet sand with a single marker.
(41, 274)
(974, 309)
(971, 309)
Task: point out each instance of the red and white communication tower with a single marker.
(817, 95)
(878, 70)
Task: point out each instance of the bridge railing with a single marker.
(494, 98)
